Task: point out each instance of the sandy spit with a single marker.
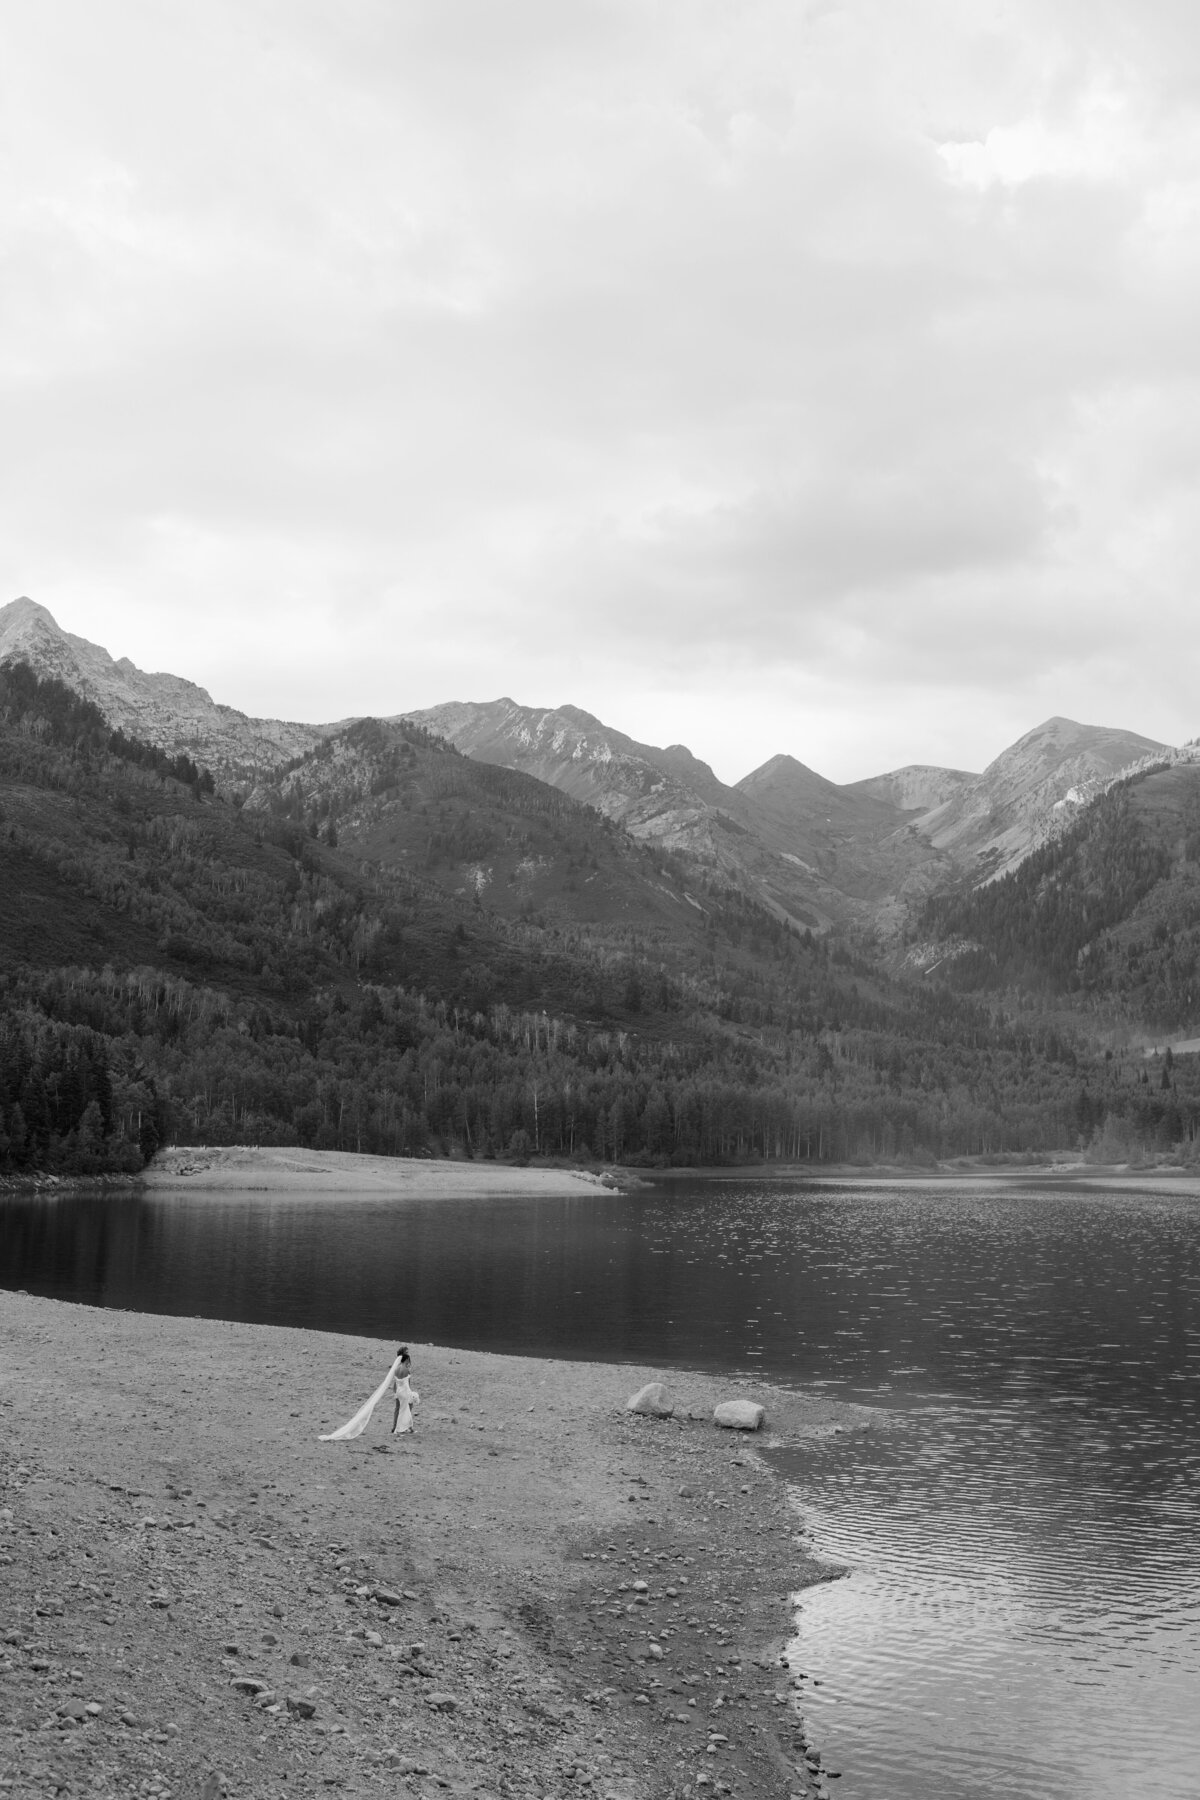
(246, 1169)
(452, 1613)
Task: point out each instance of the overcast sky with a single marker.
(762, 376)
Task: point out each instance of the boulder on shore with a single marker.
(740, 1415)
(651, 1401)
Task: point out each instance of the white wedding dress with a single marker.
(402, 1390)
(406, 1394)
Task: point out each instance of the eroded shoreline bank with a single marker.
(458, 1610)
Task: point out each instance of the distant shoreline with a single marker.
(272, 1169)
(246, 1169)
(941, 1174)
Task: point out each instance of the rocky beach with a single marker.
(538, 1594)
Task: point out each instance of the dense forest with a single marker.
(177, 967)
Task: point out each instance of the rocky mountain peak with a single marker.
(162, 709)
(23, 609)
(1059, 740)
(786, 775)
(577, 716)
(994, 821)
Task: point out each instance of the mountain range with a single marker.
(489, 929)
(817, 853)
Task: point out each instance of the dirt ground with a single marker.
(538, 1594)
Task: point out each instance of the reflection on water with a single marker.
(1023, 1615)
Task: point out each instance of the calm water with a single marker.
(1022, 1522)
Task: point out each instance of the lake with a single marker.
(1022, 1524)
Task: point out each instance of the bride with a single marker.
(404, 1394)
(397, 1381)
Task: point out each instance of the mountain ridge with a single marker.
(818, 853)
(168, 710)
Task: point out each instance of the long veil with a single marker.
(358, 1424)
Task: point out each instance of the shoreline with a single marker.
(170, 1524)
(1129, 1175)
(270, 1169)
(242, 1168)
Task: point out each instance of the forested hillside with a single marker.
(316, 967)
(1108, 915)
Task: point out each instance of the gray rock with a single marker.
(740, 1415)
(441, 1702)
(651, 1402)
(303, 1709)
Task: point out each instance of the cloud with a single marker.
(790, 365)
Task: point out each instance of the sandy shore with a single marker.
(453, 1613)
(243, 1169)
